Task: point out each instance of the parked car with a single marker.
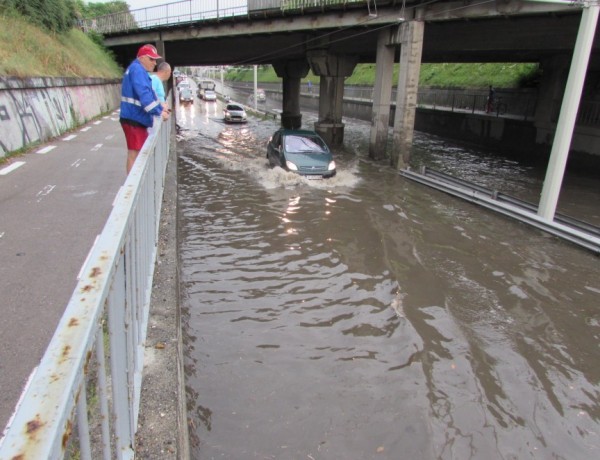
(210, 95)
(301, 151)
(186, 95)
(234, 113)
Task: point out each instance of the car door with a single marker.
(274, 149)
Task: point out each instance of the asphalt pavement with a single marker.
(54, 201)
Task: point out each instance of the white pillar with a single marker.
(255, 85)
(568, 113)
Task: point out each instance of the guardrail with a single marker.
(187, 11)
(95, 358)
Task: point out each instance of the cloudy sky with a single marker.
(210, 4)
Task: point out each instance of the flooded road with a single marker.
(370, 317)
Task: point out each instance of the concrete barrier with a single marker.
(33, 110)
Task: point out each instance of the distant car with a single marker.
(234, 113)
(260, 96)
(301, 151)
(210, 95)
(186, 95)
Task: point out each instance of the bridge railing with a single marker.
(187, 11)
(88, 383)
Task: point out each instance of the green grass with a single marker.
(28, 51)
(450, 75)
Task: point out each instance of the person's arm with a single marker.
(143, 88)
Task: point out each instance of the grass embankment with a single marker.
(28, 51)
(499, 75)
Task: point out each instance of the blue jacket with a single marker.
(138, 100)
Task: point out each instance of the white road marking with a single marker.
(19, 402)
(2, 234)
(12, 167)
(96, 147)
(87, 128)
(77, 162)
(46, 149)
(110, 136)
(68, 138)
(98, 122)
(45, 192)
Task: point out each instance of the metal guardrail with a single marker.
(95, 358)
(576, 231)
(187, 11)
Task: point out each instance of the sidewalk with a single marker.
(54, 204)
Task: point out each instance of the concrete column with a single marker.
(552, 87)
(408, 85)
(160, 47)
(332, 70)
(291, 72)
(382, 96)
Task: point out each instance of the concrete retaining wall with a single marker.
(34, 110)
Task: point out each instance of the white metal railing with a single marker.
(89, 379)
(187, 11)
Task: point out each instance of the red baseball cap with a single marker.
(148, 50)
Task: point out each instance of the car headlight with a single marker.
(291, 166)
(331, 166)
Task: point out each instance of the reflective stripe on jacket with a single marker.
(138, 100)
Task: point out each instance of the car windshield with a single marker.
(304, 144)
(234, 107)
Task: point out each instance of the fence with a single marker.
(95, 358)
(187, 11)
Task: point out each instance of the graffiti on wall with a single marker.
(31, 116)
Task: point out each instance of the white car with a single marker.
(234, 113)
(210, 95)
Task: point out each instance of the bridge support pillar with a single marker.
(291, 72)
(382, 96)
(411, 49)
(332, 69)
(552, 87)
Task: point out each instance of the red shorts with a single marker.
(135, 136)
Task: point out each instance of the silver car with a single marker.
(234, 113)
(210, 95)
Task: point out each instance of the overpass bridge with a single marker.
(330, 37)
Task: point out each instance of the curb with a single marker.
(162, 423)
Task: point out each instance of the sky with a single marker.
(137, 4)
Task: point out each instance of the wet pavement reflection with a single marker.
(369, 317)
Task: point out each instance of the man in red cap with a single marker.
(139, 103)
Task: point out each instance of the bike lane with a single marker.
(54, 201)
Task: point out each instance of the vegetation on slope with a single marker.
(499, 75)
(31, 48)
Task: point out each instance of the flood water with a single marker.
(370, 317)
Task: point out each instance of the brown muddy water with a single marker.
(370, 317)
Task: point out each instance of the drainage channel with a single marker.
(573, 230)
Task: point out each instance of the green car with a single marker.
(301, 151)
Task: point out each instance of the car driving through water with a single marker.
(234, 113)
(301, 151)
